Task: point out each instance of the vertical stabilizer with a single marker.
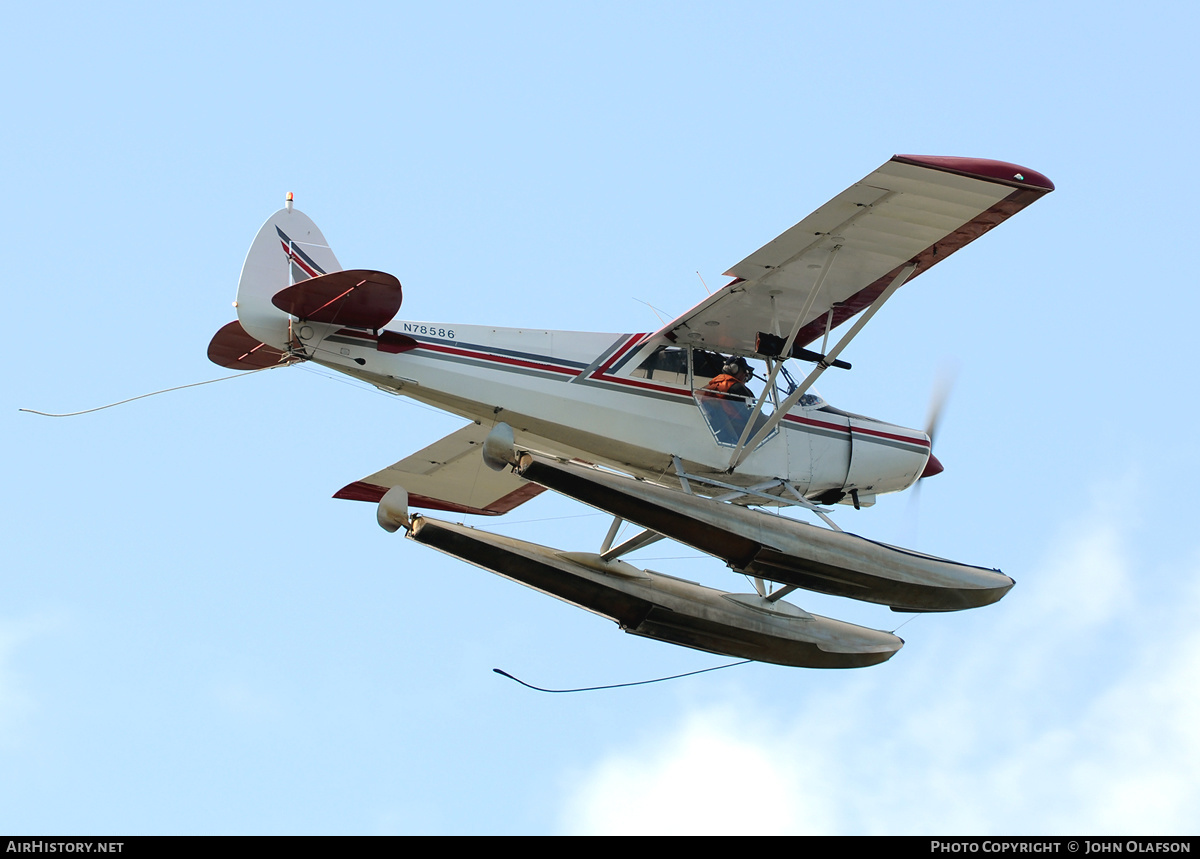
(287, 250)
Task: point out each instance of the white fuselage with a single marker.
(599, 398)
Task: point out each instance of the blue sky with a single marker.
(195, 638)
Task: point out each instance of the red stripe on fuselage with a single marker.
(601, 373)
(842, 428)
(498, 359)
(621, 350)
(919, 442)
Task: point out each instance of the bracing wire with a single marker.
(901, 626)
(547, 519)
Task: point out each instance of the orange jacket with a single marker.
(727, 384)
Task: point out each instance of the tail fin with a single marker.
(288, 249)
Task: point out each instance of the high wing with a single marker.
(448, 475)
(914, 209)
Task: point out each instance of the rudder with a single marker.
(288, 249)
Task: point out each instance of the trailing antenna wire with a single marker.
(151, 394)
(619, 685)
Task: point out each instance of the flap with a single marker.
(448, 475)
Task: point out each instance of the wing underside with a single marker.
(913, 209)
(448, 475)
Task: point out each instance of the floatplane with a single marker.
(664, 430)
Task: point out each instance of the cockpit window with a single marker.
(722, 389)
(785, 384)
(729, 389)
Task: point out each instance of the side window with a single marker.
(666, 365)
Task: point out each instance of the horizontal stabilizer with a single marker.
(356, 298)
(232, 347)
(448, 475)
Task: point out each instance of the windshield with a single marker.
(785, 384)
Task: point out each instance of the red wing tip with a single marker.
(982, 168)
(361, 491)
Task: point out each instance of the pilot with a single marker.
(726, 400)
(734, 376)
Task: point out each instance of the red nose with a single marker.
(932, 467)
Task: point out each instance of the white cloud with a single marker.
(707, 779)
(16, 704)
(1080, 718)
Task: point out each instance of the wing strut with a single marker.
(787, 349)
(612, 534)
(681, 474)
(775, 596)
(743, 449)
(645, 538)
(756, 491)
